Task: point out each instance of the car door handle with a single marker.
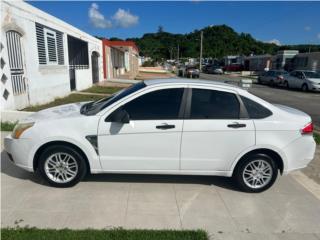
(236, 125)
(165, 126)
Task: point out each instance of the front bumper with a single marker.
(314, 87)
(18, 151)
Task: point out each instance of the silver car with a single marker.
(304, 80)
(272, 77)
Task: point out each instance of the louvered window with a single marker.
(50, 45)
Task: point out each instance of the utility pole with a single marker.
(178, 52)
(201, 39)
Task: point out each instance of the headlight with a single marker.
(20, 128)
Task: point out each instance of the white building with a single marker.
(306, 61)
(42, 57)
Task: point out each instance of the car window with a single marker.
(254, 109)
(312, 74)
(211, 104)
(293, 74)
(299, 74)
(93, 108)
(157, 105)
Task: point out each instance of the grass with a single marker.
(90, 234)
(317, 138)
(104, 90)
(7, 126)
(72, 98)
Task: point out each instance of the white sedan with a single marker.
(171, 126)
(304, 80)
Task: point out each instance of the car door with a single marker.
(300, 79)
(293, 79)
(151, 140)
(215, 131)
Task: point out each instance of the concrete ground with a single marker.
(286, 211)
(306, 102)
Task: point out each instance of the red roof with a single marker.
(120, 43)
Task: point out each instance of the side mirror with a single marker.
(119, 116)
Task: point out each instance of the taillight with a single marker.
(307, 129)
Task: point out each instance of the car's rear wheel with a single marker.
(62, 166)
(256, 173)
(305, 88)
(271, 83)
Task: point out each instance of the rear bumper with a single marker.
(299, 153)
(18, 152)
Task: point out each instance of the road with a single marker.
(306, 102)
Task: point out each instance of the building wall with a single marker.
(45, 82)
(307, 61)
(120, 60)
(258, 63)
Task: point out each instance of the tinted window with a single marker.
(254, 109)
(161, 104)
(210, 104)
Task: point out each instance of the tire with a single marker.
(53, 175)
(241, 173)
(259, 80)
(286, 84)
(272, 84)
(304, 88)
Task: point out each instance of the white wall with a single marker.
(83, 79)
(50, 81)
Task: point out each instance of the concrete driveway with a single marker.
(286, 211)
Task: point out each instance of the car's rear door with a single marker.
(215, 130)
(151, 140)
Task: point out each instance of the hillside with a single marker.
(218, 41)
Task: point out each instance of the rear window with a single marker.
(254, 109)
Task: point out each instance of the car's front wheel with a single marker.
(62, 166)
(256, 173)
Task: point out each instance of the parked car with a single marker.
(168, 126)
(272, 77)
(206, 67)
(304, 80)
(213, 69)
(189, 72)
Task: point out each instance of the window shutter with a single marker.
(50, 45)
(60, 48)
(41, 44)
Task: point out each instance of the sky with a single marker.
(279, 22)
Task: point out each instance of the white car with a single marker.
(304, 80)
(170, 126)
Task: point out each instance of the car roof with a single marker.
(189, 81)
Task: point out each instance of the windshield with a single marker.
(312, 74)
(93, 108)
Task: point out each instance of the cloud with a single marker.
(307, 28)
(275, 41)
(318, 35)
(97, 19)
(125, 19)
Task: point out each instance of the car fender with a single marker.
(261, 146)
(85, 146)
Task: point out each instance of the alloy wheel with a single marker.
(257, 174)
(61, 167)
